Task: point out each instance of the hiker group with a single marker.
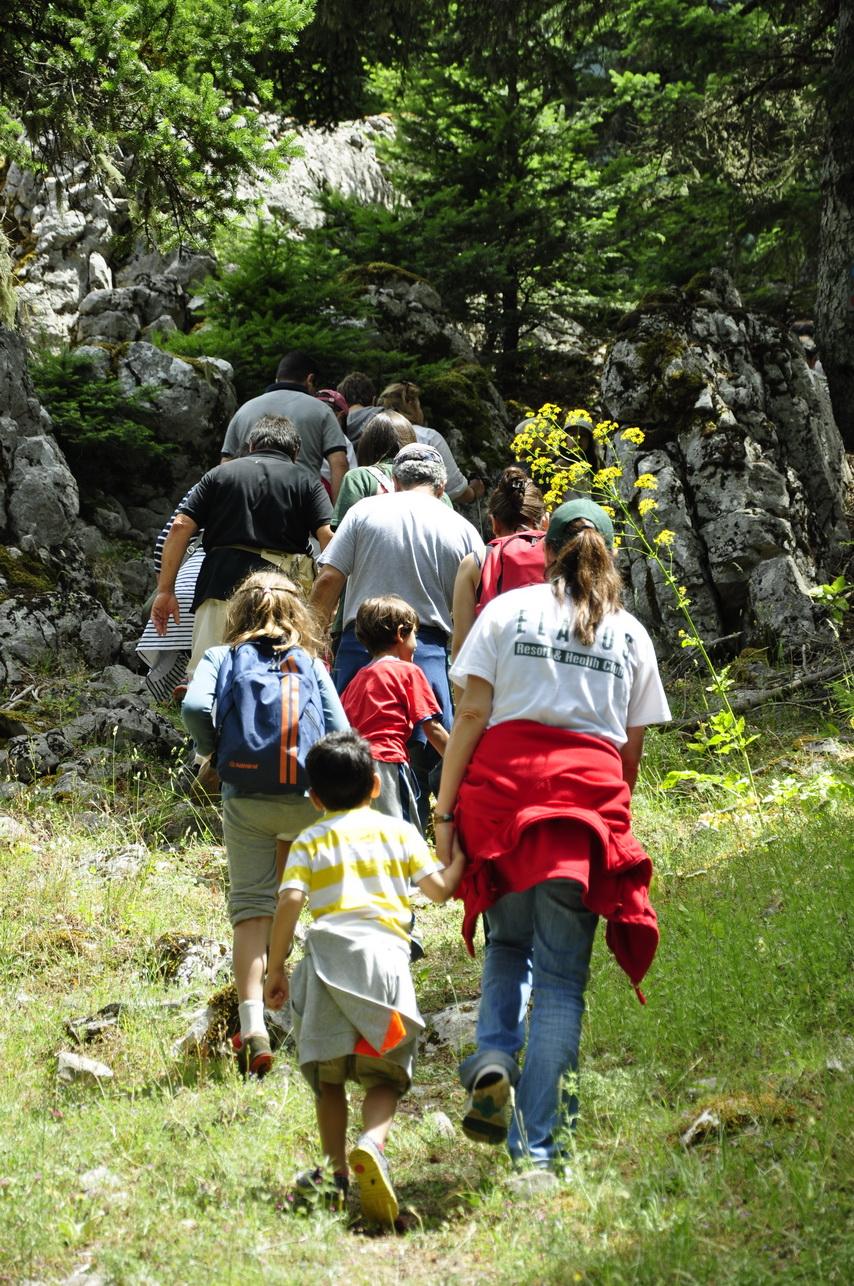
(337, 600)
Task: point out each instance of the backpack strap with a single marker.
(385, 484)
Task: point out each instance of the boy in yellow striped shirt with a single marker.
(352, 996)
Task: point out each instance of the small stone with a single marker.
(529, 1184)
(99, 1180)
(707, 1122)
(453, 1027)
(11, 830)
(440, 1123)
(74, 1068)
(195, 1037)
(85, 1029)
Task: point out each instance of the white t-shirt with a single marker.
(522, 643)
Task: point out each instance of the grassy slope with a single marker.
(749, 1001)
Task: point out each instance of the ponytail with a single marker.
(516, 501)
(585, 567)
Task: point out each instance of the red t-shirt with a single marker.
(385, 701)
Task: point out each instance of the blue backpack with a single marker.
(268, 715)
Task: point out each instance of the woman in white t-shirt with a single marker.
(559, 683)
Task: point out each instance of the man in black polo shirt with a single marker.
(255, 511)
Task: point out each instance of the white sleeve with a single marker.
(647, 701)
(478, 656)
(340, 553)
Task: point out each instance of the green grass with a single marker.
(748, 1014)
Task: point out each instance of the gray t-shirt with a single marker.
(320, 432)
(409, 544)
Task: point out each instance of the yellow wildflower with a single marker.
(577, 470)
(633, 435)
(665, 538)
(607, 475)
(647, 505)
(603, 430)
(647, 482)
(609, 510)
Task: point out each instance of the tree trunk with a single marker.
(835, 286)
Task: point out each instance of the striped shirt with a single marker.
(358, 865)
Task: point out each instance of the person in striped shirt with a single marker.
(352, 995)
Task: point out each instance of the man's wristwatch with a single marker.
(443, 817)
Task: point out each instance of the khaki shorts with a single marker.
(365, 1070)
(251, 825)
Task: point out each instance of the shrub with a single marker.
(274, 292)
(104, 431)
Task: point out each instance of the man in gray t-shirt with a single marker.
(320, 433)
(407, 543)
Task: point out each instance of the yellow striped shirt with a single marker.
(358, 865)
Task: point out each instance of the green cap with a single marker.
(557, 533)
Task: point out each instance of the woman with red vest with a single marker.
(513, 558)
(559, 684)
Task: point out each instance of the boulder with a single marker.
(750, 468)
(192, 401)
(71, 622)
(38, 494)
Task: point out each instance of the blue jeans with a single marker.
(539, 944)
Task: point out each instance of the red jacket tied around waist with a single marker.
(523, 774)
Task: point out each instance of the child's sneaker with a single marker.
(379, 1204)
(254, 1055)
(313, 1187)
(487, 1114)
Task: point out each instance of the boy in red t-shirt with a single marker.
(390, 697)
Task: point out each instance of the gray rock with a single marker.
(100, 277)
(124, 864)
(12, 831)
(530, 1185)
(750, 467)
(74, 1068)
(780, 599)
(441, 1124)
(42, 494)
(101, 1182)
(116, 680)
(452, 1028)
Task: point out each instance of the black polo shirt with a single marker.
(263, 500)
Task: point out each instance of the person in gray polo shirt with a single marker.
(292, 395)
(409, 544)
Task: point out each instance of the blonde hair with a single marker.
(404, 396)
(266, 605)
(585, 566)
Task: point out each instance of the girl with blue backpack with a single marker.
(256, 705)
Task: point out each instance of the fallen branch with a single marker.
(762, 696)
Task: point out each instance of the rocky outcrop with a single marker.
(73, 287)
(750, 468)
(38, 493)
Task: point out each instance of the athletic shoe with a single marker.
(254, 1055)
(487, 1114)
(379, 1204)
(313, 1187)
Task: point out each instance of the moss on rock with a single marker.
(25, 573)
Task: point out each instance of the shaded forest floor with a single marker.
(177, 1171)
